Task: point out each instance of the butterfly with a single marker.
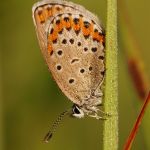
(72, 41)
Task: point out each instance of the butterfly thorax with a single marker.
(89, 106)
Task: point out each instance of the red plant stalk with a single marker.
(138, 77)
(137, 72)
(133, 133)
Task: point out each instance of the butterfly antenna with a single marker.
(55, 125)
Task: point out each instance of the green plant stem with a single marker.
(1, 121)
(110, 134)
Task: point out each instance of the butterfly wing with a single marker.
(72, 42)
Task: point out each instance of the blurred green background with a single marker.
(30, 100)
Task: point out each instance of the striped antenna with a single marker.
(55, 125)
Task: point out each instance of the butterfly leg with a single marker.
(98, 117)
(96, 110)
(101, 111)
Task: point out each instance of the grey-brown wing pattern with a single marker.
(72, 42)
(76, 54)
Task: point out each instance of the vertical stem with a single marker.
(1, 121)
(110, 134)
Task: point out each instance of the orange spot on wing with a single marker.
(56, 9)
(98, 37)
(91, 28)
(52, 37)
(77, 26)
(49, 48)
(101, 38)
(48, 12)
(43, 13)
(95, 35)
(66, 24)
(59, 27)
(87, 31)
(40, 17)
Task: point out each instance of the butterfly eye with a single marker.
(76, 110)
